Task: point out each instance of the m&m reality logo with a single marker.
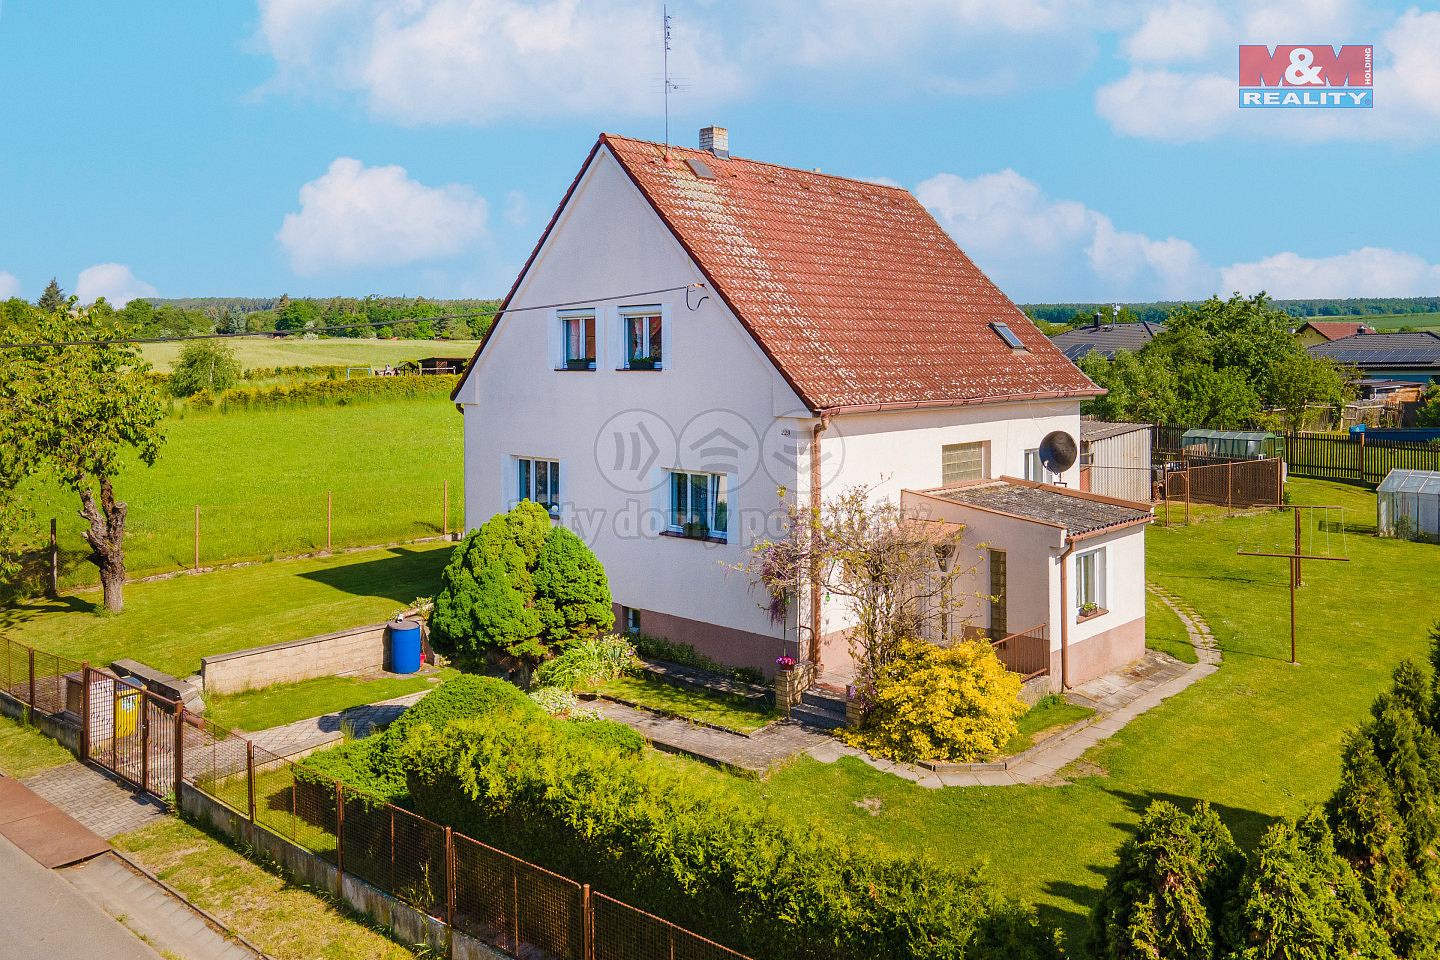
(1306, 76)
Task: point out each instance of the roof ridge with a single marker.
(761, 163)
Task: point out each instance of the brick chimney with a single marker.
(716, 140)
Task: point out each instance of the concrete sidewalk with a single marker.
(45, 918)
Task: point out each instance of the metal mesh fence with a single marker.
(43, 680)
(621, 932)
(395, 850)
(515, 906)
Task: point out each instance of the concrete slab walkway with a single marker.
(304, 737)
(96, 799)
(756, 754)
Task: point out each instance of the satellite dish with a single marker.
(1058, 451)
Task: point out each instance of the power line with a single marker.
(347, 326)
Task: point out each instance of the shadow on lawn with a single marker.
(401, 576)
(18, 613)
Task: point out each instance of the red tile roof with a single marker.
(852, 289)
(1337, 329)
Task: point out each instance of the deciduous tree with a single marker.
(204, 365)
(78, 412)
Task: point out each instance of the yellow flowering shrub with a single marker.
(930, 703)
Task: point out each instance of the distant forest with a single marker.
(1065, 313)
(409, 318)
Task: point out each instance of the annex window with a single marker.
(999, 596)
(962, 461)
(1035, 468)
(698, 506)
(1090, 581)
(632, 620)
(642, 328)
(539, 482)
(578, 329)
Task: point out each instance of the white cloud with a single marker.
(1177, 31)
(517, 208)
(9, 285)
(478, 61)
(1038, 248)
(114, 282)
(359, 216)
(1182, 105)
(1368, 272)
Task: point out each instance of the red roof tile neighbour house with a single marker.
(1334, 330)
(852, 289)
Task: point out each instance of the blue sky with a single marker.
(1076, 149)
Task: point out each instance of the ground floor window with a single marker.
(698, 504)
(539, 482)
(1090, 580)
(632, 620)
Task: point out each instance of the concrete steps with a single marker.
(821, 709)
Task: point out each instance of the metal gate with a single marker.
(135, 734)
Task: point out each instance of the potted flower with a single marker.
(1089, 608)
(696, 529)
(785, 663)
(579, 363)
(644, 363)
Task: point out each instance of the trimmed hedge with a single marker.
(766, 886)
(334, 393)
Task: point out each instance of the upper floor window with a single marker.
(539, 482)
(960, 462)
(642, 330)
(578, 327)
(698, 505)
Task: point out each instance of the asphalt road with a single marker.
(42, 917)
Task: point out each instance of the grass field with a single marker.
(281, 917)
(731, 713)
(260, 479)
(288, 702)
(171, 624)
(289, 352)
(25, 751)
(1165, 632)
(1260, 739)
(1391, 321)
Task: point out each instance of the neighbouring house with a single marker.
(1115, 459)
(1106, 339)
(696, 335)
(1413, 357)
(443, 365)
(1319, 331)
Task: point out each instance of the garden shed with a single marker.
(1408, 505)
(1232, 444)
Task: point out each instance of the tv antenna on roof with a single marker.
(669, 84)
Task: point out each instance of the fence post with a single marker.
(1229, 486)
(197, 536)
(445, 510)
(329, 519)
(85, 711)
(250, 784)
(515, 911)
(179, 751)
(449, 878)
(587, 924)
(1187, 493)
(54, 562)
(142, 724)
(32, 683)
(339, 840)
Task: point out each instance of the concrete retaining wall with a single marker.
(62, 728)
(410, 925)
(332, 654)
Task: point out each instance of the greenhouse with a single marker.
(1234, 444)
(1408, 505)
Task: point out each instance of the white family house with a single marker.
(694, 332)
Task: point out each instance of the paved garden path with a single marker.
(304, 737)
(757, 753)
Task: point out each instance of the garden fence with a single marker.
(1318, 456)
(515, 906)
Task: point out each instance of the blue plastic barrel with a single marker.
(404, 646)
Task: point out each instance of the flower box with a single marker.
(579, 364)
(642, 363)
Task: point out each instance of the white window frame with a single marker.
(984, 448)
(717, 487)
(523, 467)
(1091, 578)
(633, 311)
(1034, 468)
(564, 319)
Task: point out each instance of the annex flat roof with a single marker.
(1078, 513)
(1092, 430)
(1226, 435)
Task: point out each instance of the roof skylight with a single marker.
(1003, 331)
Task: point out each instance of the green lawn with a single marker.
(281, 917)
(25, 751)
(1165, 632)
(288, 702)
(1390, 321)
(290, 352)
(1260, 739)
(261, 479)
(171, 624)
(732, 713)
(1045, 717)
